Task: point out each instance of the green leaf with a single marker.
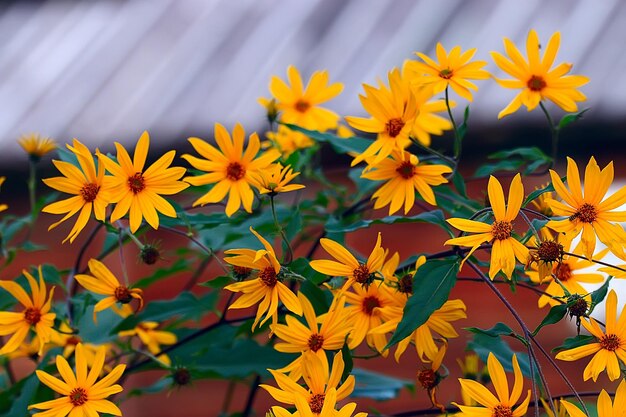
(484, 344)
(301, 266)
(574, 342)
(218, 282)
(346, 353)
(431, 287)
(500, 329)
(462, 129)
(459, 183)
(554, 316)
(433, 217)
(571, 118)
(514, 160)
(548, 188)
(598, 295)
(341, 145)
(369, 384)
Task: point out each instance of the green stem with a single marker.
(451, 161)
(282, 232)
(457, 137)
(32, 177)
(554, 131)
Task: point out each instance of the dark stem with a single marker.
(254, 387)
(289, 257)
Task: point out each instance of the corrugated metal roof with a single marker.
(106, 70)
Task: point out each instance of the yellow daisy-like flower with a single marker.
(502, 405)
(36, 145)
(81, 392)
(606, 408)
(453, 69)
(139, 190)
(328, 410)
(3, 206)
(393, 112)
(346, 265)
(329, 334)
(590, 213)
(300, 106)
(232, 169)
(91, 190)
(276, 178)
(36, 315)
(609, 346)
(287, 141)
(536, 78)
(318, 380)
(152, 338)
(569, 275)
(102, 281)
(266, 287)
(404, 175)
(505, 248)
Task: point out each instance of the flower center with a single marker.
(89, 192)
(235, 171)
(268, 277)
(136, 183)
(362, 275)
(563, 271)
(78, 397)
(181, 376)
(550, 251)
(502, 411)
(501, 230)
(427, 378)
(405, 285)
(536, 83)
(316, 341)
(122, 294)
(369, 304)
(302, 106)
(72, 341)
(406, 170)
(394, 127)
(586, 213)
(446, 73)
(32, 315)
(610, 342)
(317, 403)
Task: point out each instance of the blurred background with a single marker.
(104, 71)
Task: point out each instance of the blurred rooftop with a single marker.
(107, 70)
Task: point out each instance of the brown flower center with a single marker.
(32, 315)
(446, 73)
(181, 376)
(394, 127)
(550, 251)
(610, 342)
(577, 306)
(136, 183)
(316, 341)
(536, 83)
(302, 106)
(405, 284)
(362, 275)
(406, 170)
(501, 230)
(89, 192)
(586, 213)
(235, 171)
(369, 304)
(268, 277)
(502, 411)
(317, 403)
(78, 397)
(427, 378)
(563, 271)
(122, 294)
(72, 341)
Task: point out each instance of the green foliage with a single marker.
(370, 384)
(531, 158)
(554, 316)
(483, 344)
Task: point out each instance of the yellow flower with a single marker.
(230, 167)
(503, 404)
(453, 69)
(304, 409)
(3, 206)
(541, 203)
(344, 131)
(560, 408)
(568, 273)
(36, 314)
(591, 213)
(81, 395)
(330, 334)
(102, 281)
(152, 338)
(276, 178)
(36, 146)
(266, 287)
(606, 408)
(536, 78)
(505, 248)
(91, 190)
(299, 105)
(287, 141)
(404, 174)
(139, 190)
(428, 123)
(318, 380)
(393, 112)
(348, 266)
(609, 346)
